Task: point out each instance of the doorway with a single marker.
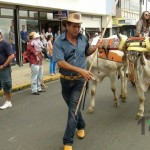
(54, 25)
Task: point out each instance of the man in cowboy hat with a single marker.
(6, 56)
(36, 66)
(70, 51)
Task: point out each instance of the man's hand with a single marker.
(86, 74)
(2, 66)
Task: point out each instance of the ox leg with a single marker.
(123, 94)
(113, 88)
(141, 95)
(93, 86)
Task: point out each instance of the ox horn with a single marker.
(119, 36)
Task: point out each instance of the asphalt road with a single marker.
(38, 122)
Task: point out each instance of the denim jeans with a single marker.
(5, 79)
(52, 66)
(36, 77)
(71, 90)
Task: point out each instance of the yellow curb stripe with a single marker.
(28, 84)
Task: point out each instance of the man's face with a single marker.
(74, 28)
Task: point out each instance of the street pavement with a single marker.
(37, 122)
(21, 76)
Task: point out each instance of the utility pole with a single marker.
(140, 7)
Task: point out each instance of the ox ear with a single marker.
(122, 39)
(147, 41)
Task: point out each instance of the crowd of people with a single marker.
(69, 50)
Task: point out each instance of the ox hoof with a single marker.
(124, 99)
(116, 105)
(138, 117)
(90, 111)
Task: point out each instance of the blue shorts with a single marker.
(5, 79)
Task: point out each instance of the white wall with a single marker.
(105, 21)
(90, 22)
(83, 6)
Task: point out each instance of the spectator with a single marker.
(50, 54)
(57, 34)
(36, 66)
(38, 45)
(44, 41)
(142, 26)
(24, 38)
(43, 37)
(49, 32)
(12, 41)
(6, 56)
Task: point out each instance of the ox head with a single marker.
(134, 50)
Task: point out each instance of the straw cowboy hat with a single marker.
(36, 36)
(73, 17)
(31, 35)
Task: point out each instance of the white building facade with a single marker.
(39, 14)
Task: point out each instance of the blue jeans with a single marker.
(71, 90)
(5, 79)
(52, 66)
(36, 77)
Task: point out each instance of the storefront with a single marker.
(12, 20)
(14, 17)
(124, 26)
(91, 25)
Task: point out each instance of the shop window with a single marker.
(26, 26)
(5, 24)
(23, 13)
(33, 14)
(7, 27)
(121, 21)
(43, 15)
(7, 12)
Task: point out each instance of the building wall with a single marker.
(92, 12)
(89, 22)
(93, 7)
(128, 9)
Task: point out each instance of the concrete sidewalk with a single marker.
(21, 76)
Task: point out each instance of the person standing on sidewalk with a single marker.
(52, 65)
(24, 38)
(70, 51)
(6, 56)
(36, 66)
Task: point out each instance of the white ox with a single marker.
(140, 68)
(102, 68)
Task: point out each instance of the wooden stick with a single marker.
(101, 38)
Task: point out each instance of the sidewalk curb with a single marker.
(28, 84)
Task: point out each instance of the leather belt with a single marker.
(70, 77)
